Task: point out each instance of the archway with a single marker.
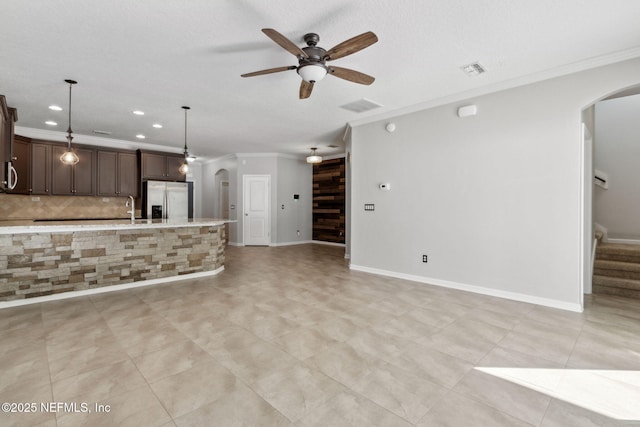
(606, 158)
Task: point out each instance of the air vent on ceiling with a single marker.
(102, 132)
(361, 106)
(474, 69)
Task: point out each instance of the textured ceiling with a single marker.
(157, 55)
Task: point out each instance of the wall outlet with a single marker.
(424, 258)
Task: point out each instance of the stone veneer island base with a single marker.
(46, 260)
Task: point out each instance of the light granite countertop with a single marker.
(31, 226)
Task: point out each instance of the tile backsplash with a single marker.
(17, 207)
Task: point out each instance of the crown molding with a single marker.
(51, 135)
(560, 71)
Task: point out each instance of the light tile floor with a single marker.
(290, 336)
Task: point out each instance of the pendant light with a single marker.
(314, 158)
(184, 168)
(69, 157)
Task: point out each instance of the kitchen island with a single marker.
(65, 258)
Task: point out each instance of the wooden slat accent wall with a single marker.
(329, 201)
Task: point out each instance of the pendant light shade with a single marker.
(312, 73)
(184, 168)
(314, 158)
(69, 157)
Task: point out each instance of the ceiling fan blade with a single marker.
(351, 75)
(284, 42)
(269, 71)
(350, 46)
(305, 89)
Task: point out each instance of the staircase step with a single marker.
(618, 252)
(607, 290)
(620, 269)
(616, 286)
(616, 282)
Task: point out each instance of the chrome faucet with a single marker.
(131, 203)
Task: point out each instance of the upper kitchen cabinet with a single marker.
(22, 164)
(32, 161)
(7, 118)
(75, 180)
(117, 173)
(40, 168)
(161, 166)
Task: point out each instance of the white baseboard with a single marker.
(320, 242)
(104, 289)
(306, 242)
(298, 242)
(472, 288)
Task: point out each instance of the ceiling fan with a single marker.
(312, 59)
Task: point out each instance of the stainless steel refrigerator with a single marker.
(165, 200)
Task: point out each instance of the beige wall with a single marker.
(494, 200)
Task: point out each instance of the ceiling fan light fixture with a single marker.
(312, 73)
(314, 158)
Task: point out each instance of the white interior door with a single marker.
(257, 221)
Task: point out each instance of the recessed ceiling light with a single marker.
(55, 108)
(157, 125)
(140, 136)
(51, 123)
(138, 112)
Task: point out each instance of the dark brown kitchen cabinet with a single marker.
(22, 164)
(7, 118)
(173, 168)
(161, 166)
(128, 174)
(5, 135)
(40, 168)
(73, 180)
(117, 173)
